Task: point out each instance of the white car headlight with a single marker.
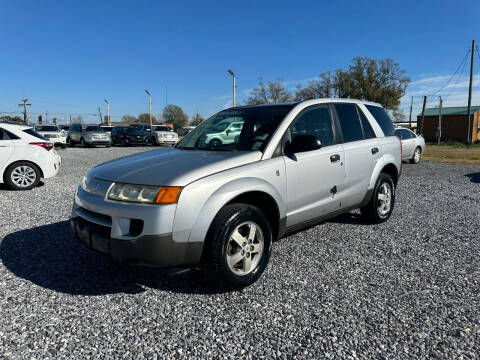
(144, 193)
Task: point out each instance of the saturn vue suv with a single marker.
(219, 206)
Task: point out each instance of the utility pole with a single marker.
(410, 118)
(46, 117)
(166, 95)
(234, 86)
(439, 127)
(420, 126)
(100, 115)
(469, 120)
(70, 121)
(108, 112)
(24, 100)
(149, 107)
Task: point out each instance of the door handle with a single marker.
(334, 158)
(333, 190)
(374, 150)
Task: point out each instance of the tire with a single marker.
(22, 175)
(82, 143)
(221, 251)
(416, 155)
(69, 142)
(376, 210)
(215, 142)
(154, 141)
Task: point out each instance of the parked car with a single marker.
(185, 130)
(107, 128)
(25, 157)
(87, 135)
(413, 145)
(225, 132)
(52, 133)
(129, 135)
(220, 208)
(160, 134)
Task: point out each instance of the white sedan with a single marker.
(52, 133)
(25, 157)
(413, 145)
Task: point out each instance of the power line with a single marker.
(453, 75)
(456, 82)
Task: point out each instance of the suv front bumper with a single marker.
(151, 250)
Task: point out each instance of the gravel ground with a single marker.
(343, 289)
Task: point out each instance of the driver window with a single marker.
(314, 121)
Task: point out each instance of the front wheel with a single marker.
(380, 206)
(82, 143)
(416, 156)
(22, 175)
(154, 141)
(237, 247)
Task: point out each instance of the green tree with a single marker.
(379, 81)
(269, 93)
(196, 120)
(144, 118)
(129, 119)
(174, 114)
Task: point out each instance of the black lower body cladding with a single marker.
(150, 250)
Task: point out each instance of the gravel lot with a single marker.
(406, 289)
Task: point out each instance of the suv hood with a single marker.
(174, 167)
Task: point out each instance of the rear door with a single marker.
(6, 147)
(315, 178)
(362, 151)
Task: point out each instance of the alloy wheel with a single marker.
(384, 199)
(23, 176)
(245, 248)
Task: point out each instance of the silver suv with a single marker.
(87, 135)
(220, 206)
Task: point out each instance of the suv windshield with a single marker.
(237, 129)
(161, 128)
(93, 128)
(133, 129)
(46, 128)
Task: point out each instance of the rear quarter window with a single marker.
(382, 119)
(34, 133)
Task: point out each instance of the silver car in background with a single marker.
(413, 145)
(160, 134)
(219, 206)
(88, 135)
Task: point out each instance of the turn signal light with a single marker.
(46, 145)
(168, 195)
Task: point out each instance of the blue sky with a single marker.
(67, 56)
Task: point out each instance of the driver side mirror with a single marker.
(228, 131)
(302, 143)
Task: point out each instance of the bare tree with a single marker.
(196, 120)
(144, 118)
(129, 119)
(324, 87)
(269, 93)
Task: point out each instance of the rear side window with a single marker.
(7, 135)
(382, 118)
(349, 122)
(367, 128)
(34, 133)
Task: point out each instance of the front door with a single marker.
(315, 178)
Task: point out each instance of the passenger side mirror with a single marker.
(302, 143)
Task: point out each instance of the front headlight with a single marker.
(144, 193)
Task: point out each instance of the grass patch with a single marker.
(455, 153)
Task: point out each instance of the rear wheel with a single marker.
(416, 156)
(238, 246)
(69, 141)
(154, 141)
(215, 142)
(22, 175)
(380, 206)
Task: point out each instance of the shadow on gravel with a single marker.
(6, 188)
(49, 256)
(474, 177)
(349, 218)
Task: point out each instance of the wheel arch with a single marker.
(387, 164)
(196, 211)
